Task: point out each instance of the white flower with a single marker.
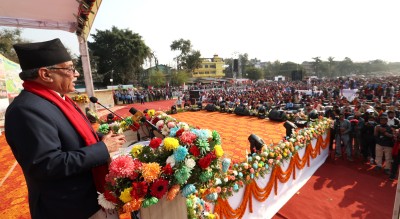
(165, 130)
(183, 125)
(171, 160)
(258, 157)
(160, 123)
(190, 163)
(103, 202)
(235, 173)
(226, 179)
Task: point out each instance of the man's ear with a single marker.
(45, 75)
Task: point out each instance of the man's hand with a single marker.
(113, 141)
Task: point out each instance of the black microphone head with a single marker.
(93, 99)
(132, 111)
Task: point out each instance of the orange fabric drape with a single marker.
(222, 206)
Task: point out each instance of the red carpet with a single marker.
(342, 189)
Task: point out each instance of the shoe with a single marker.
(392, 177)
(377, 168)
(387, 171)
(338, 155)
(371, 161)
(350, 159)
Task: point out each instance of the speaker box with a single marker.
(277, 115)
(210, 107)
(297, 75)
(235, 65)
(194, 94)
(241, 111)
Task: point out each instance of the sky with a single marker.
(269, 30)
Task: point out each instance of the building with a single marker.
(210, 68)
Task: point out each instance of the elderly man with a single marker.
(63, 159)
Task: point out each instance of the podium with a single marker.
(175, 208)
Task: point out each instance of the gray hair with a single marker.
(31, 74)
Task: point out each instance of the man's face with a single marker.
(64, 75)
(391, 115)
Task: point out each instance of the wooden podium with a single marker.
(166, 209)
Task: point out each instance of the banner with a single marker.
(10, 84)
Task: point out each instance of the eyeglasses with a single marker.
(70, 69)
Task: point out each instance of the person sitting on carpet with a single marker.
(63, 160)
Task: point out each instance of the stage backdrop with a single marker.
(10, 85)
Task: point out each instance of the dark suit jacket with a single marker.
(54, 159)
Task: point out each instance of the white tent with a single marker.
(75, 16)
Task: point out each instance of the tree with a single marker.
(287, 68)
(276, 67)
(184, 46)
(229, 69)
(316, 65)
(331, 65)
(254, 73)
(9, 37)
(345, 67)
(192, 61)
(120, 52)
(178, 78)
(243, 60)
(157, 79)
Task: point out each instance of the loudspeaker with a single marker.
(241, 111)
(194, 94)
(277, 115)
(210, 107)
(297, 75)
(235, 65)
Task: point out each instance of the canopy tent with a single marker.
(68, 15)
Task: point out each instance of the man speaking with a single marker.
(63, 159)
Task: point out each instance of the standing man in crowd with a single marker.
(384, 143)
(343, 128)
(63, 159)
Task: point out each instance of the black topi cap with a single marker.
(41, 54)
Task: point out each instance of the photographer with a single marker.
(368, 139)
(342, 129)
(384, 143)
(357, 124)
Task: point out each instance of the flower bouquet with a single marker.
(80, 98)
(185, 161)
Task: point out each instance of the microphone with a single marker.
(95, 100)
(139, 115)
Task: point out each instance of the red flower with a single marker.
(159, 188)
(110, 197)
(155, 143)
(179, 132)
(205, 162)
(155, 120)
(135, 126)
(194, 150)
(168, 169)
(139, 189)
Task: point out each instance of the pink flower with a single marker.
(171, 124)
(187, 137)
(124, 166)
